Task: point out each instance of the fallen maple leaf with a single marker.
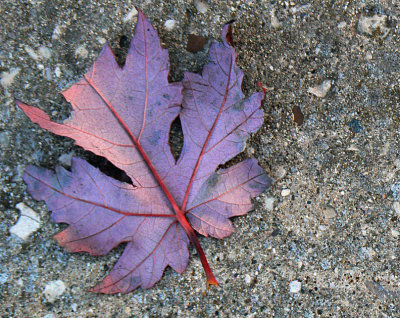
(125, 114)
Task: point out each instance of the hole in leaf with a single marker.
(240, 157)
(123, 42)
(176, 138)
(122, 50)
(108, 168)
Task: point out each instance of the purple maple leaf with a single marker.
(125, 114)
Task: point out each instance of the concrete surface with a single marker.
(322, 242)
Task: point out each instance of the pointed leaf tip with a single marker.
(227, 35)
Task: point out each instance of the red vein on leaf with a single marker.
(224, 193)
(145, 259)
(207, 140)
(232, 130)
(179, 213)
(46, 118)
(147, 84)
(99, 232)
(97, 204)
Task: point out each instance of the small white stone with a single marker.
(202, 7)
(395, 233)
(342, 24)
(81, 51)
(53, 290)
(74, 306)
(28, 222)
(101, 40)
(247, 279)
(396, 207)
(367, 252)
(130, 15)
(321, 90)
(370, 24)
(57, 32)
(57, 71)
(285, 192)
(44, 52)
(275, 23)
(169, 25)
(65, 159)
(31, 53)
(295, 286)
(3, 278)
(353, 147)
(329, 212)
(269, 203)
(385, 149)
(7, 78)
(322, 227)
(280, 172)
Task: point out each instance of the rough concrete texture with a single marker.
(327, 248)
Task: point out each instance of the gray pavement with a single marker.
(322, 242)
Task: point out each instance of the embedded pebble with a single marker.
(322, 227)
(385, 150)
(355, 126)
(269, 203)
(395, 187)
(371, 25)
(7, 78)
(58, 30)
(285, 192)
(81, 51)
(295, 286)
(44, 52)
(377, 289)
(101, 40)
(353, 147)
(396, 207)
(31, 53)
(4, 139)
(329, 212)
(202, 7)
(169, 25)
(57, 71)
(397, 163)
(321, 90)
(53, 290)
(247, 279)
(3, 278)
(275, 23)
(28, 222)
(366, 253)
(130, 15)
(65, 159)
(395, 233)
(280, 172)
